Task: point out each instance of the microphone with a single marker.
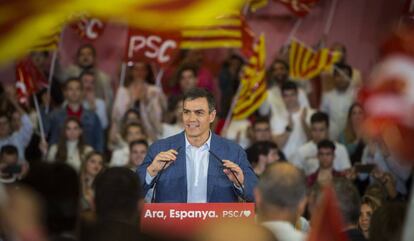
(158, 176)
(243, 196)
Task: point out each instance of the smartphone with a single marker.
(364, 168)
(12, 169)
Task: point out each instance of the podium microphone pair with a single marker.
(158, 176)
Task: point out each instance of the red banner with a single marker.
(152, 47)
(183, 219)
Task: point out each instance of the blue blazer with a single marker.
(172, 186)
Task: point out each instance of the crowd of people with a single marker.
(84, 145)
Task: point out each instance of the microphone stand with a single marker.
(243, 196)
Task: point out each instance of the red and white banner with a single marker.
(183, 219)
(152, 47)
(89, 28)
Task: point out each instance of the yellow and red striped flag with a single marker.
(306, 63)
(227, 31)
(252, 92)
(50, 41)
(24, 22)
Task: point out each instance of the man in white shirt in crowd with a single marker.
(290, 128)
(306, 158)
(280, 197)
(279, 74)
(336, 102)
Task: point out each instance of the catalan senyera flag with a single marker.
(227, 31)
(49, 41)
(24, 22)
(300, 8)
(306, 63)
(252, 92)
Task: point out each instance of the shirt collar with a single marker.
(206, 145)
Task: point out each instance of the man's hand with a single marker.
(160, 160)
(238, 172)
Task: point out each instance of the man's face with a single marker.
(73, 92)
(4, 127)
(325, 157)
(9, 159)
(197, 118)
(341, 80)
(290, 98)
(319, 131)
(187, 80)
(137, 154)
(86, 58)
(261, 132)
(279, 72)
(134, 133)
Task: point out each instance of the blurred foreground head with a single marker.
(234, 230)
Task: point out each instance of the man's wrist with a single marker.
(152, 171)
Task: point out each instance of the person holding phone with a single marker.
(10, 169)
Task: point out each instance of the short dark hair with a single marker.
(258, 120)
(282, 185)
(9, 150)
(185, 67)
(326, 144)
(138, 142)
(280, 61)
(320, 117)
(129, 125)
(289, 85)
(349, 200)
(259, 148)
(196, 93)
(119, 182)
(70, 80)
(86, 72)
(344, 68)
(86, 46)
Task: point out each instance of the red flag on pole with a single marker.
(327, 220)
(28, 80)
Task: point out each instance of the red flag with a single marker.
(327, 220)
(28, 80)
(299, 7)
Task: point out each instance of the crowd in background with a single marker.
(89, 127)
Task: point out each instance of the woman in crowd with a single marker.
(115, 138)
(91, 167)
(352, 136)
(140, 94)
(71, 147)
(368, 206)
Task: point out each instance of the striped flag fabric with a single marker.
(306, 63)
(50, 41)
(252, 90)
(227, 31)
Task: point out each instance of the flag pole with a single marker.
(328, 24)
(160, 74)
(230, 113)
(293, 31)
(42, 130)
(50, 79)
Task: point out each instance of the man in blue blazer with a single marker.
(196, 165)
